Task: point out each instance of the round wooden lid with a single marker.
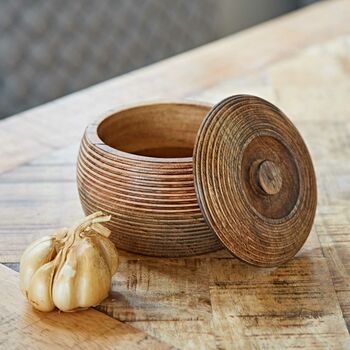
(254, 180)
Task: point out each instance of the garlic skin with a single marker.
(71, 269)
(109, 252)
(39, 292)
(37, 254)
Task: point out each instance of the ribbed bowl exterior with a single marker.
(152, 201)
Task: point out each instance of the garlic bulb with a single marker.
(71, 269)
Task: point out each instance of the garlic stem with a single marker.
(102, 230)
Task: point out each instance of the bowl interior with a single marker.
(163, 130)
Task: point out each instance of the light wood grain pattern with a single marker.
(211, 301)
(292, 306)
(21, 327)
(160, 289)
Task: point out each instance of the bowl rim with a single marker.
(91, 131)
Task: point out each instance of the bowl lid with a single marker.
(254, 180)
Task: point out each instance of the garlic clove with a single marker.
(109, 252)
(84, 278)
(39, 291)
(37, 254)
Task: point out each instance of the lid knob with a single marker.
(269, 177)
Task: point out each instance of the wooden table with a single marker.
(300, 62)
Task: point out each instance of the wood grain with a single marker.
(292, 306)
(23, 327)
(303, 304)
(160, 290)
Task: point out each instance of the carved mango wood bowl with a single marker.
(136, 164)
(182, 178)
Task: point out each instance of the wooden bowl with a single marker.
(182, 179)
(136, 164)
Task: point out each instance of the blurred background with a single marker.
(50, 48)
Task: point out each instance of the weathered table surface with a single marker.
(21, 327)
(301, 62)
